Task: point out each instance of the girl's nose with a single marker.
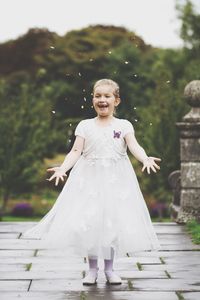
(102, 98)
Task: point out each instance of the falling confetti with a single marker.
(85, 99)
(136, 120)
(150, 124)
(109, 52)
(82, 106)
(91, 59)
(69, 141)
(53, 111)
(134, 107)
(52, 47)
(168, 81)
(91, 94)
(135, 75)
(126, 62)
(79, 74)
(70, 124)
(83, 90)
(92, 106)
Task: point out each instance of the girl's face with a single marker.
(104, 101)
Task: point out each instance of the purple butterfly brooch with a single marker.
(116, 134)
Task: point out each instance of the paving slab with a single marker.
(40, 295)
(14, 285)
(167, 284)
(10, 235)
(91, 295)
(16, 253)
(12, 267)
(191, 296)
(72, 274)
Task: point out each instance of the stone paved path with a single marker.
(27, 272)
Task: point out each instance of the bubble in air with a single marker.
(79, 74)
(53, 111)
(168, 81)
(126, 62)
(82, 106)
(52, 47)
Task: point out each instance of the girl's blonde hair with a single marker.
(108, 82)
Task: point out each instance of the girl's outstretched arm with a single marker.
(140, 154)
(69, 161)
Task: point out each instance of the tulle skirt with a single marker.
(100, 206)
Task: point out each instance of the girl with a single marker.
(100, 210)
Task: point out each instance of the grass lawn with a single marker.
(193, 229)
(20, 219)
(37, 218)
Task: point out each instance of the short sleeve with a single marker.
(80, 129)
(127, 127)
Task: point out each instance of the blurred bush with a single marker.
(22, 209)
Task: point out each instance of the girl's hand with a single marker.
(59, 174)
(150, 163)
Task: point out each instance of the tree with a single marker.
(190, 28)
(25, 136)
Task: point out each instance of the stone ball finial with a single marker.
(192, 93)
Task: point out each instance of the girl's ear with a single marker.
(117, 101)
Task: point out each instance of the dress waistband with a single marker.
(94, 157)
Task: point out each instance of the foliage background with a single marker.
(45, 90)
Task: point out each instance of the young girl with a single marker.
(100, 210)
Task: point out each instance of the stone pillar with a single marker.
(190, 156)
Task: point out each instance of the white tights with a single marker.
(108, 263)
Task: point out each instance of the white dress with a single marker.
(101, 204)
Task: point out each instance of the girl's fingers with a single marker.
(57, 180)
(50, 170)
(156, 166)
(148, 169)
(49, 179)
(156, 158)
(153, 169)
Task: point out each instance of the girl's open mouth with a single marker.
(102, 105)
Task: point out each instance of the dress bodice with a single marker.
(104, 142)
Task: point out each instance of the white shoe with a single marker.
(112, 278)
(91, 277)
